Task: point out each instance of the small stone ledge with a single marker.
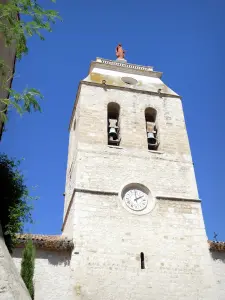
(177, 199)
(216, 246)
(156, 152)
(46, 242)
(151, 151)
(96, 192)
(116, 147)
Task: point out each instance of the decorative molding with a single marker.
(177, 199)
(156, 151)
(116, 147)
(96, 192)
(124, 65)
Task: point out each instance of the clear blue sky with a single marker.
(183, 39)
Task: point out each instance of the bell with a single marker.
(112, 133)
(151, 139)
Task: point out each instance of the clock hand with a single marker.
(138, 198)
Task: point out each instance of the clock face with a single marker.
(136, 199)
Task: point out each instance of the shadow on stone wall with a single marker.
(62, 259)
(55, 258)
(218, 256)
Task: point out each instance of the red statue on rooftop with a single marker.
(120, 53)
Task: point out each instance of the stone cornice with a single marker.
(115, 65)
(96, 192)
(177, 199)
(122, 64)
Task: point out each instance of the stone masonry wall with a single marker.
(109, 239)
(97, 166)
(72, 153)
(12, 286)
(93, 103)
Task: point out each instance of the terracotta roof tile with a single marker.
(51, 242)
(60, 243)
(216, 246)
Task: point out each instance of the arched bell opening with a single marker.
(113, 124)
(151, 129)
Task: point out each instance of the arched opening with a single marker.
(150, 114)
(113, 129)
(151, 129)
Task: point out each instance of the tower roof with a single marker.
(122, 75)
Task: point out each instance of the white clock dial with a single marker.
(136, 199)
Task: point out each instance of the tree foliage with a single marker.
(19, 20)
(27, 267)
(15, 200)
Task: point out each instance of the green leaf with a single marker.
(15, 31)
(16, 203)
(18, 108)
(3, 117)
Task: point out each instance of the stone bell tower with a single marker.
(131, 202)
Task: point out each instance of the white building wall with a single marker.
(218, 263)
(52, 279)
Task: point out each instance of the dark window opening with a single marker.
(113, 124)
(142, 260)
(151, 129)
